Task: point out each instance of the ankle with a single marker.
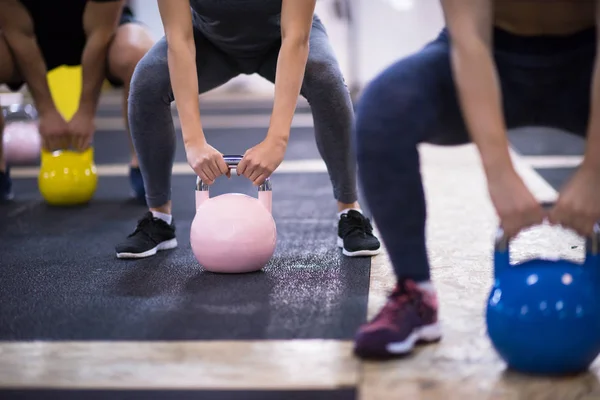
(345, 207)
(426, 286)
(167, 217)
(421, 285)
(165, 208)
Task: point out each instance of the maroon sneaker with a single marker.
(409, 317)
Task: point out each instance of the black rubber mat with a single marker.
(61, 279)
(347, 394)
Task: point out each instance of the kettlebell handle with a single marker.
(592, 244)
(21, 110)
(265, 195)
(232, 162)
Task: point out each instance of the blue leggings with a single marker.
(545, 81)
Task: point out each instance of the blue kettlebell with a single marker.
(543, 316)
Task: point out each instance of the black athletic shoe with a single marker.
(355, 235)
(150, 236)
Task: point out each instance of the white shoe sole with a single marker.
(166, 245)
(359, 253)
(428, 333)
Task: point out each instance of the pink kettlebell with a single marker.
(233, 233)
(21, 141)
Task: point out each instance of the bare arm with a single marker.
(18, 29)
(592, 150)
(470, 25)
(100, 20)
(177, 21)
(296, 23)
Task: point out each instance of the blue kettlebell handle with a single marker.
(502, 251)
(502, 247)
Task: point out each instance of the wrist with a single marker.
(87, 108)
(591, 156)
(496, 162)
(192, 140)
(278, 137)
(591, 162)
(45, 107)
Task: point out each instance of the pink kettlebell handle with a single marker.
(265, 191)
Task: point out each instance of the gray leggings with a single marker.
(151, 122)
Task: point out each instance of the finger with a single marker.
(583, 225)
(86, 141)
(256, 172)
(554, 216)
(206, 168)
(223, 167)
(205, 177)
(509, 230)
(45, 144)
(54, 144)
(67, 142)
(81, 143)
(216, 168)
(260, 180)
(538, 215)
(203, 172)
(249, 170)
(209, 172)
(241, 167)
(49, 144)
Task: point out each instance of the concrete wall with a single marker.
(386, 30)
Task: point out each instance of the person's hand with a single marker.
(260, 161)
(515, 205)
(206, 161)
(81, 130)
(578, 204)
(54, 131)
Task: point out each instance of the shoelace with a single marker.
(357, 223)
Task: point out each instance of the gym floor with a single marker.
(75, 321)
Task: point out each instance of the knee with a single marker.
(129, 46)
(388, 115)
(127, 61)
(150, 81)
(322, 76)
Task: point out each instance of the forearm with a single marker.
(291, 65)
(480, 98)
(184, 82)
(93, 65)
(33, 69)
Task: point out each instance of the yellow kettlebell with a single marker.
(67, 177)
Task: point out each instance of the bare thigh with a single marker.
(131, 42)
